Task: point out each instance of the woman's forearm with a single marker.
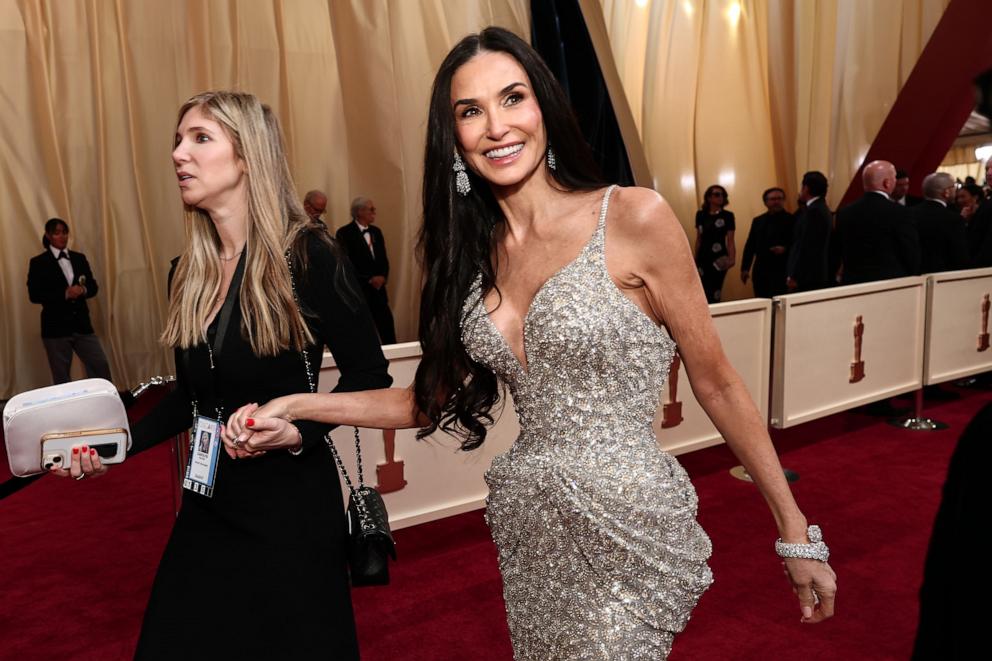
(388, 408)
(730, 407)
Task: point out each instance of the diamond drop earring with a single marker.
(552, 163)
(462, 184)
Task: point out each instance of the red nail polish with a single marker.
(250, 422)
(92, 451)
(75, 450)
(85, 448)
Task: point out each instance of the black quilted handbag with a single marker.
(370, 542)
(369, 539)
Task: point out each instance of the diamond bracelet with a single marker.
(815, 550)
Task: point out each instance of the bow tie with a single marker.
(366, 231)
(63, 255)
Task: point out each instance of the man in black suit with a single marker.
(364, 243)
(806, 269)
(900, 194)
(943, 237)
(979, 236)
(877, 239)
(767, 245)
(60, 281)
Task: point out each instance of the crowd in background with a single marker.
(884, 234)
(61, 280)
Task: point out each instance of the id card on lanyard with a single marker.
(201, 469)
(204, 451)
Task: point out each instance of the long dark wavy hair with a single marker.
(456, 393)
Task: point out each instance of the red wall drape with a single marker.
(937, 98)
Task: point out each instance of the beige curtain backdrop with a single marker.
(961, 171)
(88, 95)
(752, 93)
(960, 163)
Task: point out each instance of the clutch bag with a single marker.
(41, 426)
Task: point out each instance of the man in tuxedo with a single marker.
(315, 204)
(806, 268)
(364, 243)
(943, 237)
(767, 244)
(979, 236)
(900, 194)
(60, 281)
(877, 238)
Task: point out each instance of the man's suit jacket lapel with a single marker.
(355, 238)
(78, 267)
(377, 242)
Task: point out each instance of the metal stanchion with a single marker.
(917, 422)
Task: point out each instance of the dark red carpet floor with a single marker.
(77, 560)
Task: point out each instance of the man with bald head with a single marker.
(315, 204)
(943, 237)
(876, 236)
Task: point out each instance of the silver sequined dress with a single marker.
(599, 548)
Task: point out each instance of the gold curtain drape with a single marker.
(752, 93)
(961, 162)
(88, 95)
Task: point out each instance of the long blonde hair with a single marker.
(271, 319)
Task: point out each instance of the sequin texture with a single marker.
(599, 548)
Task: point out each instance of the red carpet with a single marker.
(78, 559)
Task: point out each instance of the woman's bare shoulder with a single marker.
(636, 211)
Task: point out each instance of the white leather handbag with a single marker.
(41, 427)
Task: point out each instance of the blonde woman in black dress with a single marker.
(265, 554)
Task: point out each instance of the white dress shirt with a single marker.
(64, 264)
(367, 236)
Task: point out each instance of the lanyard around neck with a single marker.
(216, 347)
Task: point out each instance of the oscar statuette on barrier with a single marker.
(857, 365)
(983, 336)
(389, 474)
(671, 411)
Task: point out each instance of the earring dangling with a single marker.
(552, 163)
(462, 184)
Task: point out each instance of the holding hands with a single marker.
(253, 430)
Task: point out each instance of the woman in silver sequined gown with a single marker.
(560, 288)
(599, 548)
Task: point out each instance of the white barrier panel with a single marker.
(440, 480)
(957, 332)
(838, 348)
(745, 329)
